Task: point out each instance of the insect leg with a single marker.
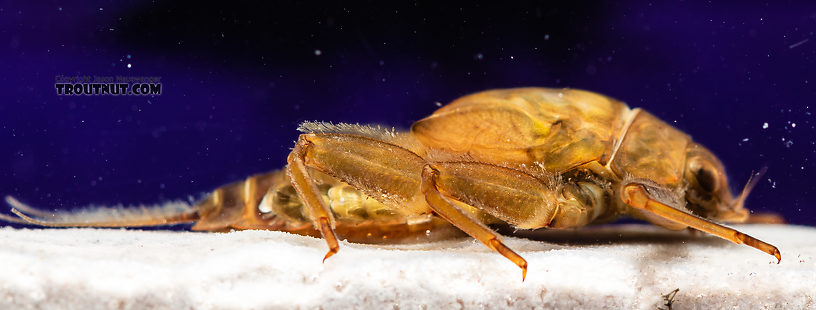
(379, 169)
(445, 208)
(320, 212)
(636, 196)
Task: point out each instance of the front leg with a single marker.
(637, 196)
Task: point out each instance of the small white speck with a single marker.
(479, 56)
(546, 37)
(793, 125)
(318, 52)
(511, 57)
(100, 9)
(794, 45)
(128, 65)
(764, 125)
(745, 140)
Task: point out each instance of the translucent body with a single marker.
(528, 157)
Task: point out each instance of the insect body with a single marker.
(528, 157)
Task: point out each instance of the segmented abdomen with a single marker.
(268, 201)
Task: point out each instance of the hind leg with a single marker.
(378, 169)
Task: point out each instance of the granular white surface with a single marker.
(613, 267)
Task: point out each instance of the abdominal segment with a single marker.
(358, 218)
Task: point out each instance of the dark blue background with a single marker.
(238, 78)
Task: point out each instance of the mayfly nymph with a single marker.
(528, 157)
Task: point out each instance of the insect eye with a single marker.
(707, 178)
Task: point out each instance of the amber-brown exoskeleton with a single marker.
(528, 157)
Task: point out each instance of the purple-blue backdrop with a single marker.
(238, 79)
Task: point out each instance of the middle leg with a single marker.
(454, 189)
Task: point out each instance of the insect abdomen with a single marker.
(359, 218)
